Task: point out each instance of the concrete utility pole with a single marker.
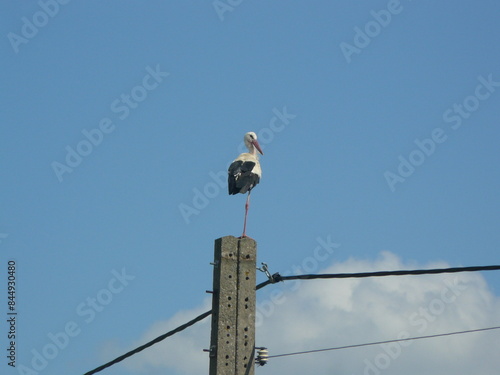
(232, 340)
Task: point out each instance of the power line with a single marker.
(384, 342)
(152, 342)
(277, 277)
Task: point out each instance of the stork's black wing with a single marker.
(240, 177)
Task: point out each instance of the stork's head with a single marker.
(251, 142)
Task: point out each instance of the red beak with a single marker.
(257, 146)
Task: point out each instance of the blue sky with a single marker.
(379, 122)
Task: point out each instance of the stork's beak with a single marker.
(257, 146)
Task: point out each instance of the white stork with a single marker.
(244, 172)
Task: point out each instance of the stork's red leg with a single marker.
(247, 204)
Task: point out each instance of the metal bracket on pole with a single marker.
(272, 278)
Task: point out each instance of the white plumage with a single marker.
(244, 172)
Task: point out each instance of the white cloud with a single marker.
(328, 313)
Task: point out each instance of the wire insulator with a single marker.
(262, 356)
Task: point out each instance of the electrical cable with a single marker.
(152, 342)
(277, 277)
(383, 342)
